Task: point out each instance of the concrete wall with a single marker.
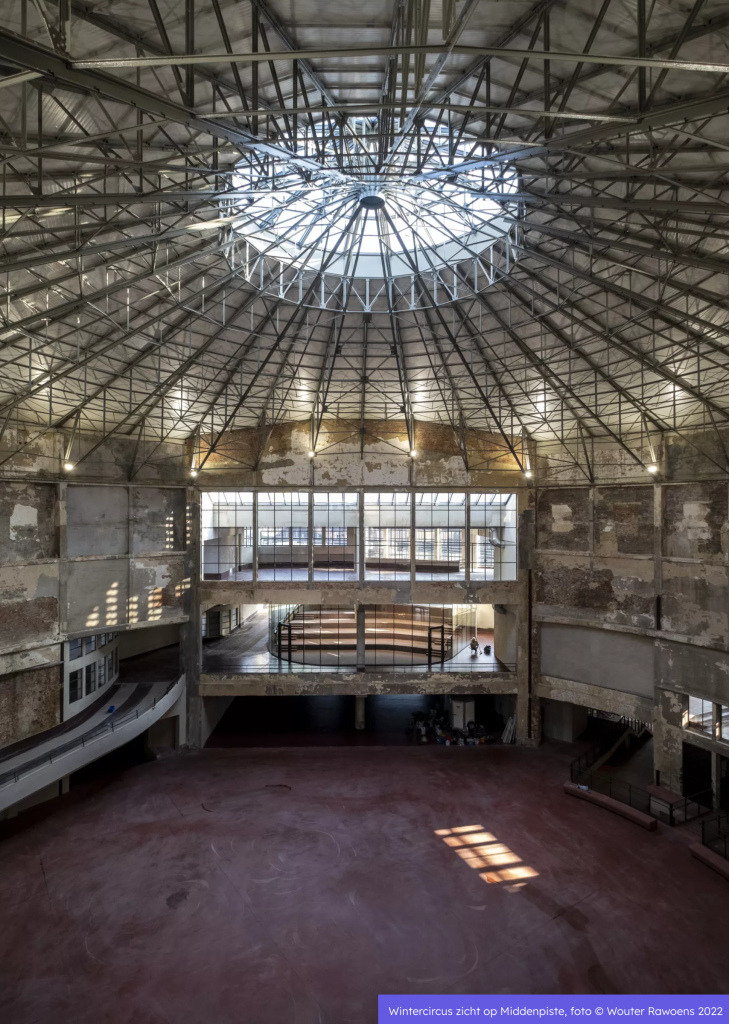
(563, 721)
(138, 641)
(76, 558)
(618, 661)
(30, 702)
(506, 634)
(631, 586)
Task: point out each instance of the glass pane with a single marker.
(387, 536)
(440, 536)
(227, 535)
(336, 536)
(283, 535)
(493, 536)
(700, 715)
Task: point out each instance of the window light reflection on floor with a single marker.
(483, 852)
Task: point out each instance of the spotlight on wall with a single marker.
(653, 468)
(413, 454)
(311, 455)
(68, 466)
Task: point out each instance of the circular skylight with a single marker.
(384, 224)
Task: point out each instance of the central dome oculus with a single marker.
(383, 225)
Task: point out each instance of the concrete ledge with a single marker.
(711, 859)
(285, 684)
(638, 817)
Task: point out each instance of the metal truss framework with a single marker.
(241, 220)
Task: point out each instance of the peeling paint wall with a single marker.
(76, 558)
(376, 455)
(29, 605)
(30, 702)
(28, 529)
(651, 560)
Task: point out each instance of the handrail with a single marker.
(602, 746)
(109, 725)
(715, 834)
(672, 812)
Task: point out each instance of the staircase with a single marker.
(617, 731)
(334, 631)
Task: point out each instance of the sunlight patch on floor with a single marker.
(483, 852)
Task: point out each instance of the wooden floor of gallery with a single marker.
(294, 885)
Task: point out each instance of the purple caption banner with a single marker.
(505, 1008)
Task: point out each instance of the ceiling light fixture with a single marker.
(311, 455)
(68, 466)
(528, 474)
(193, 472)
(413, 454)
(653, 468)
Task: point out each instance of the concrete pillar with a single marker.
(360, 613)
(668, 714)
(62, 549)
(359, 712)
(310, 533)
(191, 631)
(527, 658)
(412, 536)
(467, 533)
(361, 532)
(254, 531)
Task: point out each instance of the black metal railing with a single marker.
(672, 812)
(613, 730)
(110, 725)
(715, 834)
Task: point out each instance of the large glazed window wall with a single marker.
(355, 536)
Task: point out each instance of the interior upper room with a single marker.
(425, 535)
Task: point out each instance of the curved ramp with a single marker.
(48, 761)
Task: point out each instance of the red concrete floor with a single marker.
(294, 885)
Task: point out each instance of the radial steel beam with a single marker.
(35, 58)
(446, 48)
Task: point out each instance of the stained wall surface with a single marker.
(78, 558)
(631, 593)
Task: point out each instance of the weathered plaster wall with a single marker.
(30, 702)
(379, 456)
(358, 683)
(32, 454)
(599, 697)
(80, 558)
(29, 605)
(28, 526)
(646, 567)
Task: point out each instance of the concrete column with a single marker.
(254, 519)
(528, 718)
(361, 531)
(360, 612)
(191, 631)
(62, 549)
(310, 534)
(467, 528)
(412, 536)
(359, 712)
(668, 711)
